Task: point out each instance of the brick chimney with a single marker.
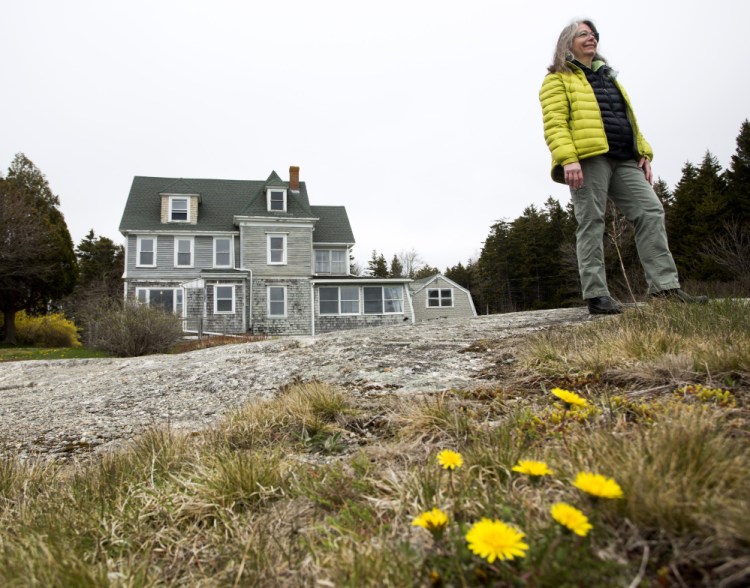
(294, 178)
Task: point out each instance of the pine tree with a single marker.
(738, 179)
(377, 266)
(697, 215)
(397, 270)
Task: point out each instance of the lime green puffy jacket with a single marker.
(573, 126)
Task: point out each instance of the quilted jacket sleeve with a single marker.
(556, 114)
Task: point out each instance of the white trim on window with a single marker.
(383, 299)
(223, 294)
(275, 306)
(276, 199)
(181, 212)
(147, 296)
(179, 251)
(443, 297)
(339, 300)
(276, 249)
(331, 261)
(228, 254)
(145, 252)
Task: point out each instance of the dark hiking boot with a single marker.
(679, 295)
(603, 305)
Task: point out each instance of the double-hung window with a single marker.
(383, 300)
(322, 261)
(146, 252)
(178, 209)
(277, 301)
(437, 297)
(183, 251)
(223, 299)
(276, 249)
(223, 252)
(276, 199)
(339, 300)
(330, 261)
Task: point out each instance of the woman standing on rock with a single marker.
(599, 151)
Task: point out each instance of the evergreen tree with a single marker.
(738, 180)
(377, 266)
(37, 261)
(698, 214)
(425, 272)
(101, 265)
(460, 274)
(493, 271)
(663, 193)
(397, 270)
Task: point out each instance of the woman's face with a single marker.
(584, 44)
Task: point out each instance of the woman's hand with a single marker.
(574, 175)
(645, 165)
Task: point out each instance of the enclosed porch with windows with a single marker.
(360, 302)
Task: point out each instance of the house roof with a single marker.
(333, 225)
(222, 200)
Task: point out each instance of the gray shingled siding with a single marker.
(327, 324)
(219, 322)
(195, 300)
(298, 248)
(298, 320)
(461, 308)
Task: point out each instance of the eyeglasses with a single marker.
(586, 34)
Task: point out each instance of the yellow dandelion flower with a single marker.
(450, 460)
(434, 520)
(571, 518)
(597, 485)
(569, 398)
(493, 539)
(532, 468)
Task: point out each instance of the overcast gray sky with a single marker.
(420, 116)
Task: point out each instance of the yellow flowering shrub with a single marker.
(51, 330)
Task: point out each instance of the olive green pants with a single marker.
(625, 183)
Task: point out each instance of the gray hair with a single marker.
(562, 51)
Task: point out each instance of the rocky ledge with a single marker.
(65, 408)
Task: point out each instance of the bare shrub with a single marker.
(134, 330)
(731, 249)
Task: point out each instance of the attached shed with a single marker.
(439, 297)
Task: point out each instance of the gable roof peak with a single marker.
(275, 181)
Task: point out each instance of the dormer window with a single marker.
(276, 198)
(178, 209)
